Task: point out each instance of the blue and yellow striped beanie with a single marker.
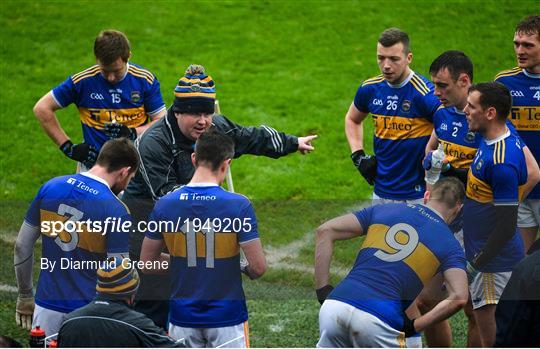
(116, 277)
(195, 92)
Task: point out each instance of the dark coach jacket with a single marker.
(106, 322)
(165, 153)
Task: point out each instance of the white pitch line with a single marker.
(8, 288)
(284, 257)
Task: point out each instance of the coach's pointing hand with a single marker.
(24, 311)
(304, 144)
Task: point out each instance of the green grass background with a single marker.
(294, 65)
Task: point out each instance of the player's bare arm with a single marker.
(533, 172)
(45, 112)
(433, 142)
(354, 130)
(340, 228)
(254, 253)
(456, 285)
(151, 252)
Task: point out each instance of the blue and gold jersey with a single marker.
(452, 130)
(403, 116)
(84, 203)
(496, 177)
(404, 247)
(130, 101)
(459, 143)
(525, 115)
(204, 244)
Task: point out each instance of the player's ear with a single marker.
(409, 57)
(427, 195)
(491, 113)
(193, 159)
(463, 80)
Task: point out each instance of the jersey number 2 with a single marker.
(404, 250)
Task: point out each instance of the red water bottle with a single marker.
(37, 338)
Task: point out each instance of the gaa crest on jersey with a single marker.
(469, 137)
(479, 164)
(135, 96)
(406, 106)
(195, 88)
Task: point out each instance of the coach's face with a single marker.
(527, 48)
(194, 125)
(449, 92)
(393, 62)
(476, 116)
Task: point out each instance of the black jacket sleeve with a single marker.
(262, 140)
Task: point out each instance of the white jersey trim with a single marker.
(96, 178)
(498, 139)
(404, 82)
(531, 75)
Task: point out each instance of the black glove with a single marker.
(115, 130)
(366, 164)
(323, 292)
(83, 152)
(408, 327)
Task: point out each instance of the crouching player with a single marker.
(208, 306)
(404, 247)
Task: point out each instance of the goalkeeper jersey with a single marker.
(210, 223)
(525, 115)
(404, 247)
(129, 102)
(76, 250)
(403, 117)
(496, 177)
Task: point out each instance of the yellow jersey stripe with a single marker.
(147, 74)
(150, 81)
(421, 261)
(421, 83)
(226, 245)
(503, 149)
(509, 72)
(82, 77)
(370, 82)
(378, 77)
(141, 70)
(418, 88)
(93, 241)
(495, 153)
(88, 70)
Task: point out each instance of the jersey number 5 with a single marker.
(403, 249)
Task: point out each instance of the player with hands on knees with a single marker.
(405, 245)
